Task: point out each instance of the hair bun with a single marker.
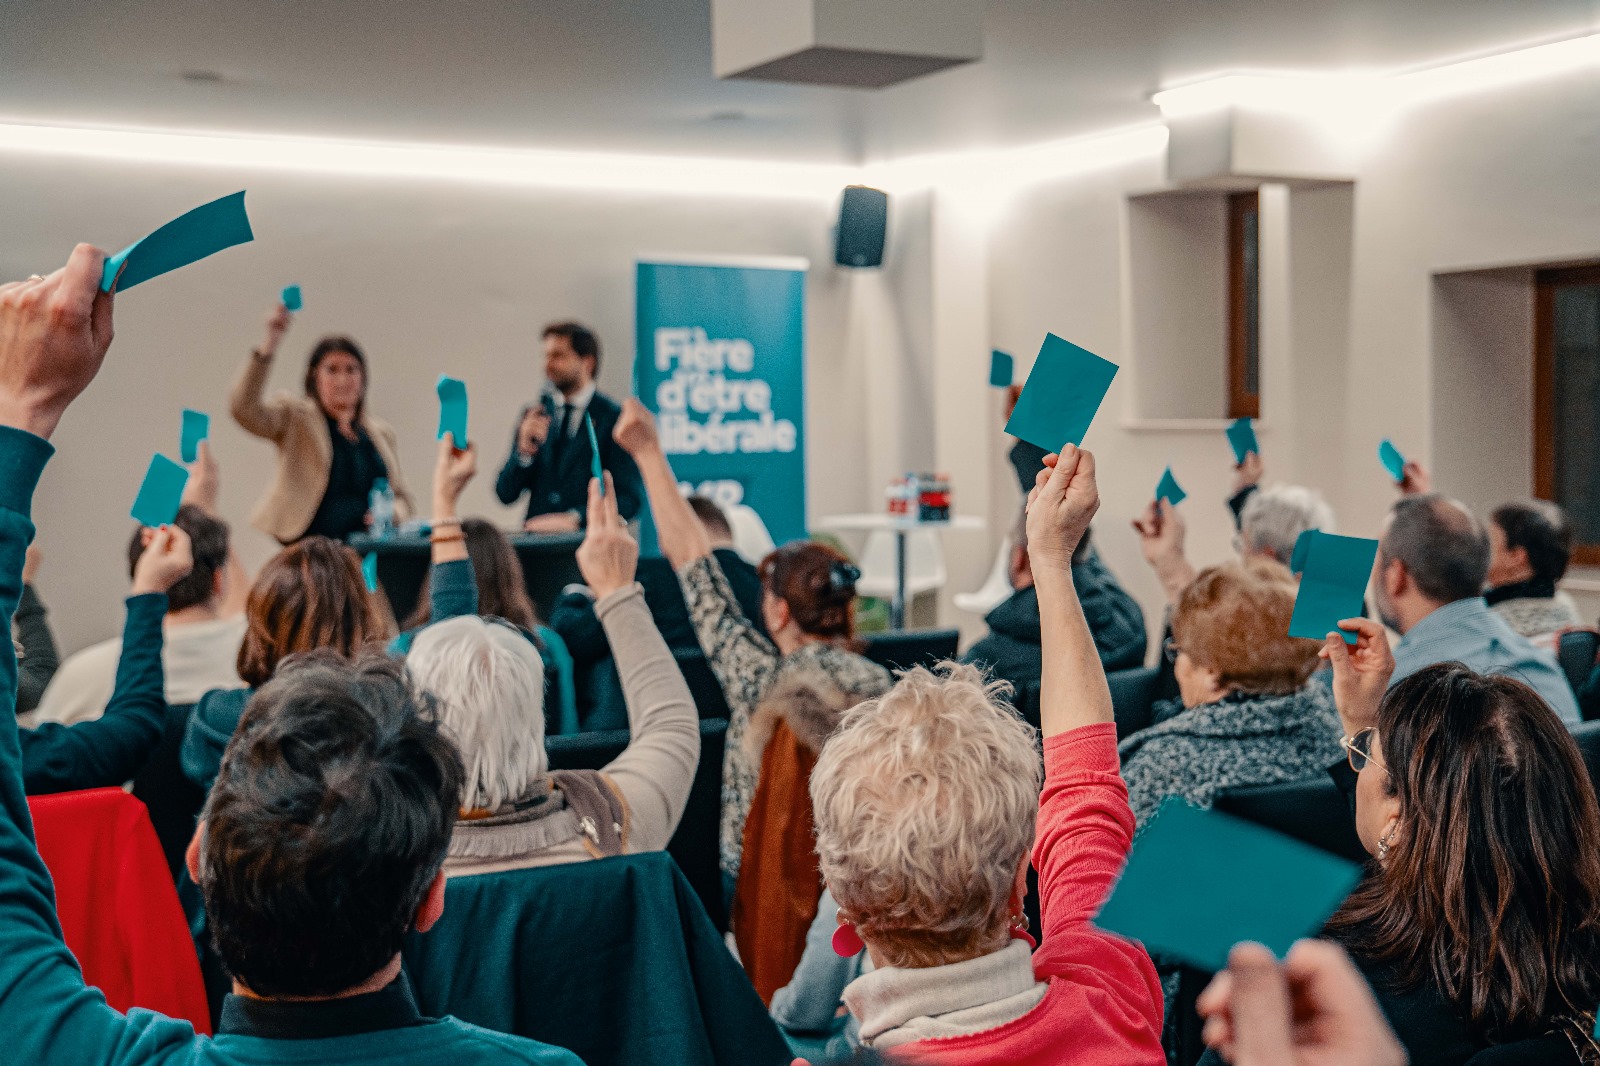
(842, 578)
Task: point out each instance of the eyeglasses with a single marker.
(1170, 649)
(1360, 749)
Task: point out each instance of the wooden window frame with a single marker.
(1545, 284)
(1242, 403)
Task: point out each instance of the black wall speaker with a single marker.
(863, 221)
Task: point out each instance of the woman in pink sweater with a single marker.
(926, 803)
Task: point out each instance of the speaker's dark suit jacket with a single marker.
(558, 478)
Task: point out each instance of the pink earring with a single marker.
(847, 942)
(1019, 931)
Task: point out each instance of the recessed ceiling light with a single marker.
(730, 115)
(202, 77)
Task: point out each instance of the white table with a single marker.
(899, 527)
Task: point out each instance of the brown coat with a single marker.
(779, 880)
(297, 425)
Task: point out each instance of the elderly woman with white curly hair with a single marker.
(927, 804)
(489, 684)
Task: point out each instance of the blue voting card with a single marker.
(186, 239)
(452, 410)
(292, 300)
(161, 493)
(1333, 580)
(1002, 369)
(1242, 435)
(1062, 394)
(1392, 460)
(596, 471)
(196, 428)
(369, 571)
(1169, 489)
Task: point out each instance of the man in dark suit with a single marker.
(551, 459)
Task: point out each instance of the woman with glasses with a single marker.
(1249, 715)
(488, 682)
(1478, 923)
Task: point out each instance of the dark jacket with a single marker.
(554, 488)
(36, 647)
(1012, 651)
(574, 618)
(108, 750)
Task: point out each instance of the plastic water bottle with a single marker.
(381, 503)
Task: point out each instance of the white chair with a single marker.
(925, 569)
(750, 537)
(994, 590)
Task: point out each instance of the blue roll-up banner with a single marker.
(720, 359)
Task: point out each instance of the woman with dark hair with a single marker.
(1530, 544)
(312, 595)
(786, 692)
(1479, 921)
(331, 452)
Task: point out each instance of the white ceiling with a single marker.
(635, 75)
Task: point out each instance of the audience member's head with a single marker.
(925, 803)
(310, 595)
(1230, 634)
(323, 837)
(1433, 552)
(571, 355)
(716, 522)
(1529, 540)
(209, 540)
(488, 683)
(1274, 517)
(336, 377)
(1475, 800)
(809, 594)
(502, 590)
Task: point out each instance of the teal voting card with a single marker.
(452, 410)
(1333, 580)
(1302, 543)
(1242, 435)
(196, 428)
(1002, 369)
(369, 571)
(190, 237)
(1199, 882)
(161, 493)
(1392, 460)
(291, 298)
(1169, 489)
(1062, 394)
(596, 471)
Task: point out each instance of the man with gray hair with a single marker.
(1432, 562)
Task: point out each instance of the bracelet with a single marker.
(447, 522)
(448, 538)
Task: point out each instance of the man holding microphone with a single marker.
(551, 457)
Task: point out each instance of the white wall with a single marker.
(429, 278)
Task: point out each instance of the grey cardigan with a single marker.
(1240, 740)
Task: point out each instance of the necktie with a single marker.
(564, 434)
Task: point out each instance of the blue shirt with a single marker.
(1467, 631)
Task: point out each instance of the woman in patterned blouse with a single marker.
(785, 695)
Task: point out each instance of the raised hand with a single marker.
(452, 469)
(636, 429)
(1063, 502)
(278, 323)
(167, 559)
(205, 481)
(1415, 479)
(1247, 473)
(31, 564)
(1360, 674)
(1161, 533)
(608, 556)
(1315, 1010)
(54, 333)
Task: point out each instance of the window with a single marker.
(1566, 419)
(1244, 305)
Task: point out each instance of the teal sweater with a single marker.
(112, 748)
(47, 1016)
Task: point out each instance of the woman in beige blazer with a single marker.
(330, 451)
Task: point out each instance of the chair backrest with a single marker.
(118, 909)
(696, 843)
(902, 650)
(172, 800)
(1313, 811)
(709, 698)
(612, 959)
(1575, 651)
(925, 567)
(1587, 734)
(1133, 698)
